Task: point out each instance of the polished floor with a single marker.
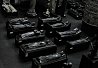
(9, 57)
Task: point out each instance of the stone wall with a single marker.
(91, 12)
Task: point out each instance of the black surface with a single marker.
(9, 57)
